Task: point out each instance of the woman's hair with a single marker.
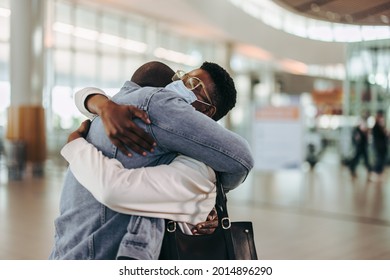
(153, 74)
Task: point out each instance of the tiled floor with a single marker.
(297, 214)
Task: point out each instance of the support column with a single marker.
(26, 122)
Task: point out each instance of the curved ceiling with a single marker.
(219, 20)
(370, 12)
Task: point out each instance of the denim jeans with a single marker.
(87, 229)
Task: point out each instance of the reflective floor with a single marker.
(323, 213)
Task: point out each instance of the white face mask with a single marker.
(179, 87)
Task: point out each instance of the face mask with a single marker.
(179, 87)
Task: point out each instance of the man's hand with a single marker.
(82, 131)
(122, 131)
(209, 226)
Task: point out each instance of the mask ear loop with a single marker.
(204, 108)
(213, 110)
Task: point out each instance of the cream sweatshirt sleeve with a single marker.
(80, 97)
(183, 191)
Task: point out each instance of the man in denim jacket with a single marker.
(88, 230)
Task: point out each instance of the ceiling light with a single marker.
(385, 19)
(315, 8)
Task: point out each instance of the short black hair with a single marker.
(153, 74)
(380, 112)
(225, 95)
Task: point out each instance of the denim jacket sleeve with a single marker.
(177, 126)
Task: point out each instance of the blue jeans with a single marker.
(87, 229)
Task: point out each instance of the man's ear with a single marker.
(204, 109)
(210, 111)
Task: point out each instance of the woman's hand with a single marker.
(208, 226)
(82, 131)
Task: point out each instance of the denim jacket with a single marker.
(87, 229)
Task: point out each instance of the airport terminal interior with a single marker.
(308, 74)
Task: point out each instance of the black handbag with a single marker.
(229, 241)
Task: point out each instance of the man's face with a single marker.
(208, 83)
(201, 92)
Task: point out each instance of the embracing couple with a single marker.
(151, 153)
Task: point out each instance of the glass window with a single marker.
(63, 35)
(63, 24)
(132, 62)
(63, 12)
(111, 75)
(5, 101)
(111, 38)
(5, 93)
(63, 67)
(4, 3)
(4, 54)
(181, 50)
(85, 69)
(111, 24)
(86, 18)
(135, 30)
(85, 39)
(4, 24)
(65, 113)
(85, 31)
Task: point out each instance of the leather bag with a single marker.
(229, 241)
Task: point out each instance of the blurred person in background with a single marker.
(380, 142)
(360, 144)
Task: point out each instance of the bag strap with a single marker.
(223, 218)
(220, 203)
(169, 246)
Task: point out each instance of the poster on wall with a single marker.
(278, 137)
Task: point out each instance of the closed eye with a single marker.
(198, 93)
